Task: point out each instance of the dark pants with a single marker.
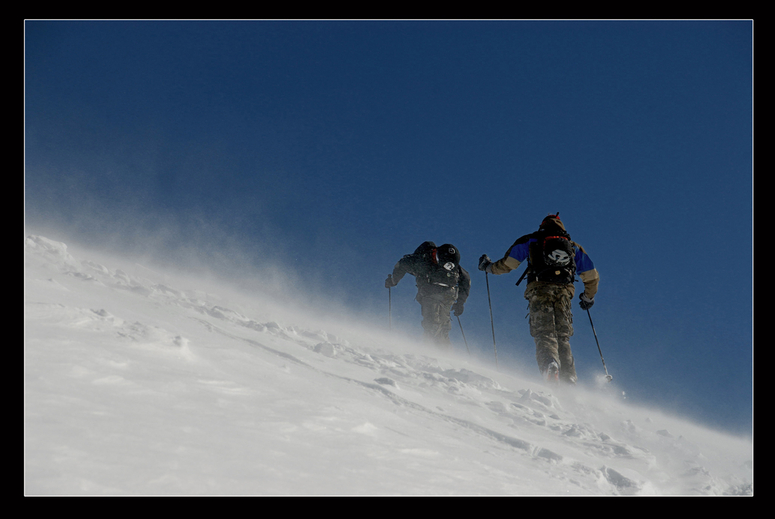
(436, 321)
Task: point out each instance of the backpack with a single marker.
(551, 257)
(448, 256)
(429, 267)
(438, 275)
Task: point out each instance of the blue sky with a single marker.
(330, 149)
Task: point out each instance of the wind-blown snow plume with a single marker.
(138, 383)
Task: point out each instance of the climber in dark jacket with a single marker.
(442, 286)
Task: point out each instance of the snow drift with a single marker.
(138, 384)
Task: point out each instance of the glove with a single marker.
(389, 281)
(585, 303)
(457, 308)
(484, 262)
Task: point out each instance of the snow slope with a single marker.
(139, 385)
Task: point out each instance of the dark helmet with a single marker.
(449, 256)
(428, 250)
(552, 221)
(424, 247)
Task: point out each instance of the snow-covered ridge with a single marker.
(138, 385)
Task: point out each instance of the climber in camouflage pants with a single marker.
(553, 262)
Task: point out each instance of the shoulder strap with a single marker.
(529, 266)
(527, 269)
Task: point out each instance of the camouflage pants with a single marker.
(436, 321)
(551, 325)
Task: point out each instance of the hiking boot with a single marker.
(551, 373)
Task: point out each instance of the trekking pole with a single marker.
(492, 323)
(390, 308)
(463, 333)
(607, 376)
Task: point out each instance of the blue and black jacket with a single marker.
(519, 252)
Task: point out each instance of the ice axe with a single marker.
(608, 377)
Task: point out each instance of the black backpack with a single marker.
(551, 257)
(429, 268)
(448, 254)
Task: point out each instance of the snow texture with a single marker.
(139, 385)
